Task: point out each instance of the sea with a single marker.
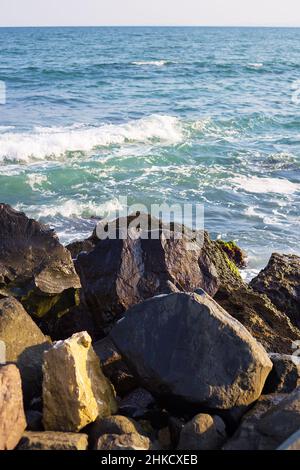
(172, 115)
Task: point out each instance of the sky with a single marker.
(149, 12)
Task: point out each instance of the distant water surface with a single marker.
(203, 115)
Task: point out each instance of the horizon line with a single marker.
(155, 26)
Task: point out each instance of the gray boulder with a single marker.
(285, 375)
(204, 432)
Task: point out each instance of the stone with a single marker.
(203, 432)
(164, 438)
(234, 253)
(137, 403)
(75, 391)
(34, 420)
(53, 441)
(292, 443)
(34, 267)
(119, 273)
(25, 345)
(123, 442)
(285, 375)
(12, 417)
(280, 281)
(187, 347)
(114, 367)
(116, 424)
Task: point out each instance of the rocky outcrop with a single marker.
(119, 273)
(186, 346)
(75, 391)
(12, 417)
(25, 345)
(204, 432)
(285, 375)
(53, 441)
(234, 253)
(123, 442)
(280, 281)
(34, 267)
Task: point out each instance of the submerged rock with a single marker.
(75, 391)
(25, 345)
(34, 267)
(204, 432)
(280, 281)
(186, 346)
(53, 441)
(12, 417)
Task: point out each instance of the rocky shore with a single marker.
(143, 344)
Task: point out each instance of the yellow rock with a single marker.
(75, 391)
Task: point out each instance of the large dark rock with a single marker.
(186, 346)
(285, 375)
(25, 345)
(203, 432)
(34, 267)
(280, 281)
(12, 417)
(119, 273)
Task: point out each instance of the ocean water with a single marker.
(198, 115)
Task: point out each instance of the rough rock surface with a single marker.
(75, 391)
(203, 432)
(280, 281)
(112, 425)
(53, 441)
(285, 375)
(234, 253)
(12, 417)
(186, 346)
(34, 266)
(25, 345)
(123, 442)
(119, 273)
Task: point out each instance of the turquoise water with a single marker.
(202, 115)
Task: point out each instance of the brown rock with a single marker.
(123, 442)
(204, 432)
(12, 417)
(53, 441)
(285, 375)
(112, 425)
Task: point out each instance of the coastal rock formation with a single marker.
(12, 417)
(203, 432)
(25, 345)
(186, 346)
(123, 442)
(34, 267)
(53, 441)
(234, 253)
(75, 391)
(280, 281)
(119, 273)
(285, 375)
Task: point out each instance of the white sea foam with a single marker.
(36, 180)
(255, 65)
(55, 142)
(156, 63)
(255, 184)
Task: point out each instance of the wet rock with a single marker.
(119, 273)
(280, 281)
(12, 417)
(75, 391)
(204, 432)
(53, 441)
(34, 267)
(25, 345)
(123, 442)
(285, 375)
(114, 367)
(292, 443)
(187, 347)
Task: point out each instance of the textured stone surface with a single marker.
(203, 432)
(280, 281)
(12, 417)
(25, 345)
(186, 346)
(53, 441)
(292, 443)
(123, 442)
(75, 391)
(112, 425)
(285, 375)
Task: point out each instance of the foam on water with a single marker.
(255, 184)
(156, 63)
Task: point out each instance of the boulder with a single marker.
(204, 432)
(75, 391)
(53, 441)
(280, 281)
(114, 367)
(137, 403)
(123, 442)
(292, 443)
(234, 253)
(285, 375)
(187, 347)
(121, 272)
(164, 438)
(12, 417)
(34, 267)
(112, 425)
(25, 345)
